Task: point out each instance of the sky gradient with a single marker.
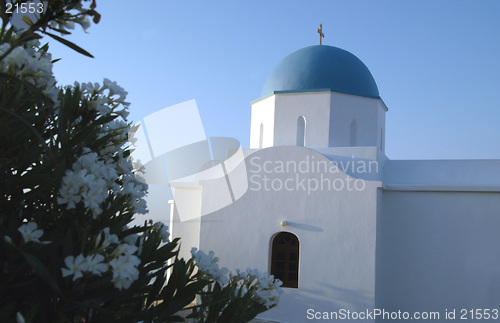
(435, 62)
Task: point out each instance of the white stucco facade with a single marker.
(374, 233)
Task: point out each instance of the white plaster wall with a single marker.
(188, 231)
(365, 111)
(315, 107)
(443, 172)
(354, 159)
(328, 118)
(336, 230)
(262, 112)
(438, 251)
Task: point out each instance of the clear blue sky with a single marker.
(436, 63)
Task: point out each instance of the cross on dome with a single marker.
(320, 32)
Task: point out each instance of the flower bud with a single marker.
(7, 239)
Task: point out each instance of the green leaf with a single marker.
(38, 93)
(8, 35)
(155, 288)
(8, 311)
(70, 44)
(35, 132)
(41, 270)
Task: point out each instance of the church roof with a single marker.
(321, 68)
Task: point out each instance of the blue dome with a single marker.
(321, 67)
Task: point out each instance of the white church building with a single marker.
(347, 229)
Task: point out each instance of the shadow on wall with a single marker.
(303, 226)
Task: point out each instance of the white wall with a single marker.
(369, 116)
(263, 112)
(438, 251)
(328, 118)
(336, 230)
(427, 241)
(189, 199)
(473, 173)
(315, 107)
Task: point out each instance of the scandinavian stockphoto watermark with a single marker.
(170, 147)
(310, 174)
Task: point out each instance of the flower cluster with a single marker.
(119, 258)
(76, 15)
(67, 168)
(107, 169)
(105, 98)
(262, 286)
(89, 181)
(207, 265)
(32, 64)
(95, 175)
(163, 229)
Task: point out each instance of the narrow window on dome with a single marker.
(301, 131)
(382, 139)
(353, 138)
(285, 259)
(261, 138)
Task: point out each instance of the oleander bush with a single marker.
(68, 194)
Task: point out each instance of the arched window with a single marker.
(301, 131)
(353, 138)
(261, 138)
(285, 259)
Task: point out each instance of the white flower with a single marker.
(4, 47)
(17, 57)
(241, 288)
(263, 286)
(30, 65)
(132, 239)
(70, 25)
(89, 181)
(95, 195)
(88, 88)
(125, 165)
(269, 297)
(221, 276)
(72, 185)
(125, 250)
(132, 188)
(108, 238)
(114, 89)
(122, 283)
(207, 264)
(85, 23)
(124, 271)
(96, 265)
(69, 192)
(75, 267)
(30, 232)
(163, 229)
(19, 318)
(268, 289)
(140, 207)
